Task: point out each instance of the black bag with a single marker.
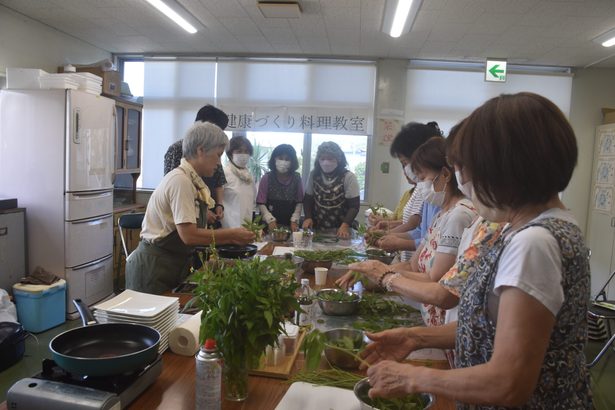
(12, 344)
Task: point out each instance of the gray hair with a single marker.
(203, 135)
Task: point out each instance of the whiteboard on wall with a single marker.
(448, 96)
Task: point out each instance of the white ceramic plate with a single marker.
(134, 303)
(306, 396)
(172, 311)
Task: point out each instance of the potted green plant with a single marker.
(245, 304)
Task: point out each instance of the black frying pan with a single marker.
(104, 349)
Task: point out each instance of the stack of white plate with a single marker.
(159, 312)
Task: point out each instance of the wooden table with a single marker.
(174, 388)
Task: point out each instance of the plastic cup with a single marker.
(321, 276)
(298, 239)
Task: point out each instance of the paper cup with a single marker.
(321, 276)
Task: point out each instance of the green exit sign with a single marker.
(495, 70)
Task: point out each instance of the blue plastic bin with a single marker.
(40, 307)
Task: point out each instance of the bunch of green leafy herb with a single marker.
(378, 210)
(244, 307)
(255, 226)
(373, 237)
(343, 256)
(373, 305)
(316, 341)
(329, 377)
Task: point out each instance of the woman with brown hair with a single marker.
(522, 325)
(438, 252)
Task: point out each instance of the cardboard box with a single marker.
(608, 115)
(112, 81)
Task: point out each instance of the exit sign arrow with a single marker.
(495, 72)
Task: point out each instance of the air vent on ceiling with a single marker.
(280, 9)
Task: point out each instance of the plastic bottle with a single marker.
(306, 302)
(208, 377)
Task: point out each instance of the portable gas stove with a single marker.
(55, 389)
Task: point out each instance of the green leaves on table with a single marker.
(255, 226)
(341, 256)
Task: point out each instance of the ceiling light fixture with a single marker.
(606, 39)
(170, 13)
(399, 15)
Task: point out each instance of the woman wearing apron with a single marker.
(332, 192)
(175, 218)
(522, 328)
(280, 192)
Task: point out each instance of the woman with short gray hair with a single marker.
(176, 216)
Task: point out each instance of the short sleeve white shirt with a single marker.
(532, 262)
(173, 202)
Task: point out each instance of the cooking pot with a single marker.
(104, 349)
(12, 343)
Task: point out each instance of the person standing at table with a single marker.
(280, 192)
(332, 192)
(215, 183)
(175, 217)
(240, 190)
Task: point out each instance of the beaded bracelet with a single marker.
(219, 205)
(389, 285)
(381, 278)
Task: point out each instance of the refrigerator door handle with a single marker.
(93, 195)
(96, 262)
(98, 220)
(76, 135)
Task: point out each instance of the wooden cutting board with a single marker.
(284, 369)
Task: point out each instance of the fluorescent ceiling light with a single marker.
(170, 13)
(606, 39)
(399, 16)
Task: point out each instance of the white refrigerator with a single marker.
(56, 158)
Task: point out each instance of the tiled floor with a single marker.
(603, 374)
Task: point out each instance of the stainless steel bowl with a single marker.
(280, 236)
(362, 388)
(335, 308)
(380, 255)
(340, 358)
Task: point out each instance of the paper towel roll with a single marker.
(184, 339)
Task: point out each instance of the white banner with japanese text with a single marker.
(299, 119)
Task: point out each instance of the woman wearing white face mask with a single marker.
(239, 190)
(331, 193)
(280, 192)
(438, 252)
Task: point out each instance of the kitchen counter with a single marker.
(174, 388)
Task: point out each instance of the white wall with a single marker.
(592, 89)
(29, 44)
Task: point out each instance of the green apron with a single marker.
(161, 266)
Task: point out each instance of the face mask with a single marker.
(490, 214)
(433, 197)
(241, 160)
(409, 173)
(282, 166)
(327, 165)
(466, 187)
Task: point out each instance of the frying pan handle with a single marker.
(87, 318)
